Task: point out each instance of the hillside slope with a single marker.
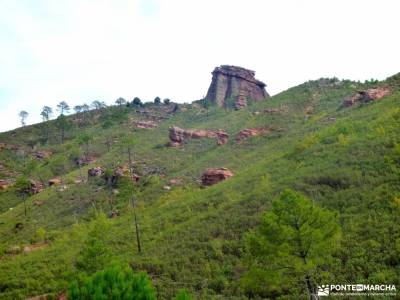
(345, 159)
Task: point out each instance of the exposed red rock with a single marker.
(214, 175)
(54, 181)
(41, 154)
(146, 124)
(367, 96)
(248, 132)
(4, 184)
(241, 101)
(232, 82)
(2, 146)
(178, 135)
(95, 172)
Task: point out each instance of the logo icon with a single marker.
(323, 290)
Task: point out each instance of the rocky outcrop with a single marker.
(145, 124)
(178, 135)
(41, 154)
(95, 172)
(35, 187)
(113, 177)
(233, 86)
(123, 171)
(4, 184)
(367, 96)
(54, 181)
(248, 132)
(214, 175)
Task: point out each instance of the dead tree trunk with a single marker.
(133, 203)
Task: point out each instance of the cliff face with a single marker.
(234, 86)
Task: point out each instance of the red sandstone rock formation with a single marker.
(214, 175)
(237, 84)
(178, 135)
(367, 96)
(146, 124)
(248, 132)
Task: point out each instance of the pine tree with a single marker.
(114, 282)
(295, 240)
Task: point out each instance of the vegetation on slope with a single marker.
(345, 160)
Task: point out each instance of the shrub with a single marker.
(183, 295)
(114, 282)
(95, 252)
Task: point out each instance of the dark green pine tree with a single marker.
(292, 247)
(116, 282)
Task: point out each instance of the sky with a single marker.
(83, 50)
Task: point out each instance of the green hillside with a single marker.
(344, 159)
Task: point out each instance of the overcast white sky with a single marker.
(85, 50)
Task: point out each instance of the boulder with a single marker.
(366, 96)
(54, 181)
(95, 172)
(248, 132)
(2, 146)
(214, 175)
(178, 135)
(237, 83)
